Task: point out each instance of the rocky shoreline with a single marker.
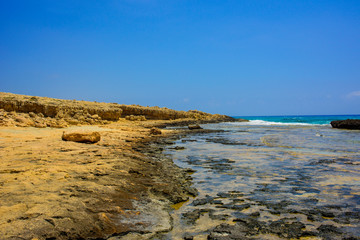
(121, 187)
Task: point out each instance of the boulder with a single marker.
(194, 126)
(155, 131)
(83, 137)
(346, 124)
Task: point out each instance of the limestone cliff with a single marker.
(22, 110)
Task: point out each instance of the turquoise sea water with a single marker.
(307, 119)
(278, 177)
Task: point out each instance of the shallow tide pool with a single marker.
(270, 182)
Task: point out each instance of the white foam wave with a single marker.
(266, 123)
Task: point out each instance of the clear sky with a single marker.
(235, 57)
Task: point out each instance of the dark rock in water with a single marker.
(203, 201)
(230, 194)
(168, 142)
(188, 236)
(329, 231)
(323, 162)
(194, 126)
(254, 215)
(178, 148)
(189, 170)
(214, 216)
(235, 206)
(191, 217)
(286, 229)
(225, 231)
(346, 124)
(243, 228)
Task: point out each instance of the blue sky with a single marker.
(240, 57)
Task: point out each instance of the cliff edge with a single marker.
(23, 110)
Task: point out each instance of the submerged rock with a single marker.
(346, 124)
(83, 137)
(178, 148)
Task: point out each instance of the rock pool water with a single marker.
(270, 182)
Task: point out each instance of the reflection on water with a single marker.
(270, 182)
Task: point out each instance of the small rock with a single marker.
(192, 216)
(203, 201)
(155, 131)
(178, 148)
(83, 137)
(194, 126)
(188, 236)
(189, 170)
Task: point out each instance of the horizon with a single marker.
(281, 115)
(238, 58)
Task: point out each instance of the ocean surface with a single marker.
(296, 120)
(273, 177)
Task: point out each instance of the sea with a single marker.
(273, 177)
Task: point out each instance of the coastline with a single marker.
(117, 188)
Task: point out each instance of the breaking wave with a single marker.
(269, 123)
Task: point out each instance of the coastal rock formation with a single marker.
(346, 124)
(82, 137)
(21, 110)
